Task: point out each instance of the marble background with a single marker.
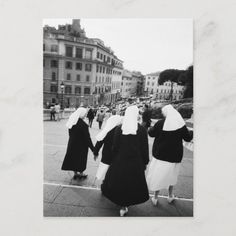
(21, 129)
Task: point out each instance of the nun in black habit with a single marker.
(105, 139)
(167, 152)
(78, 144)
(125, 182)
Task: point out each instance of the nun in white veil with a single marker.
(167, 152)
(78, 144)
(125, 182)
(105, 139)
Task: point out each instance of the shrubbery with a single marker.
(185, 109)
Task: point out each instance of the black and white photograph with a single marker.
(118, 116)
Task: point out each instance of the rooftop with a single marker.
(154, 74)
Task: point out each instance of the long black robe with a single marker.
(77, 148)
(125, 182)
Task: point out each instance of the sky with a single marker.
(145, 45)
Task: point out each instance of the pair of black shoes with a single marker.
(80, 176)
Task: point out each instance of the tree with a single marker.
(181, 77)
(186, 79)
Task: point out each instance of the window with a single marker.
(78, 77)
(53, 88)
(97, 68)
(77, 90)
(98, 54)
(78, 66)
(68, 65)
(148, 83)
(152, 84)
(96, 79)
(54, 48)
(101, 55)
(88, 67)
(86, 90)
(68, 89)
(54, 63)
(69, 51)
(88, 53)
(53, 76)
(104, 58)
(79, 53)
(103, 70)
(100, 69)
(68, 76)
(87, 78)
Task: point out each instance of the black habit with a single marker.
(77, 148)
(125, 182)
(168, 145)
(107, 143)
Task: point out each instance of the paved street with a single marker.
(66, 197)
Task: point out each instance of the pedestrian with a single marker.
(100, 118)
(167, 152)
(78, 144)
(52, 112)
(105, 139)
(90, 116)
(125, 182)
(146, 117)
(57, 111)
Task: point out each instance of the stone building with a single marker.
(78, 70)
(132, 84)
(162, 92)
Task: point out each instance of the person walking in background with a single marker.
(90, 116)
(52, 112)
(100, 118)
(167, 152)
(125, 182)
(105, 139)
(78, 144)
(146, 117)
(57, 111)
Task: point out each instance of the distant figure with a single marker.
(78, 144)
(57, 111)
(113, 112)
(125, 182)
(105, 139)
(146, 117)
(90, 116)
(100, 118)
(167, 152)
(52, 112)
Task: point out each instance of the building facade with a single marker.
(140, 82)
(162, 92)
(127, 86)
(132, 84)
(89, 71)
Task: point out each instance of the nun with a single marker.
(167, 152)
(125, 182)
(105, 139)
(78, 144)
